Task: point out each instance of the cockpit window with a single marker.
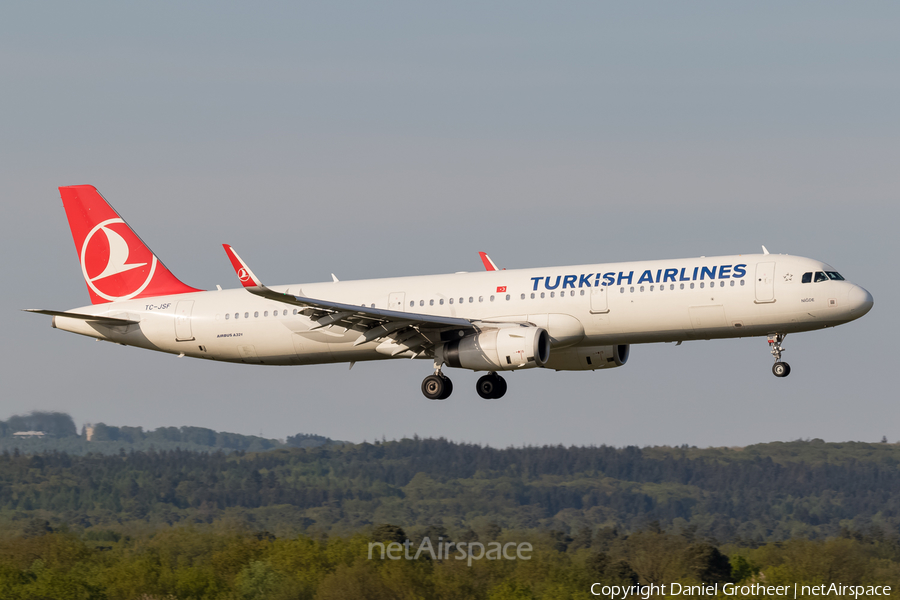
(834, 275)
(807, 277)
(820, 276)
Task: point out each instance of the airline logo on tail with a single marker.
(107, 261)
(115, 263)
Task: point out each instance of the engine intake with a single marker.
(504, 349)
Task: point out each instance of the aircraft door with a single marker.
(765, 282)
(599, 301)
(395, 301)
(183, 321)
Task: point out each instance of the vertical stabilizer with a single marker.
(115, 263)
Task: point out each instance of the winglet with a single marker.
(248, 279)
(765, 250)
(488, 263)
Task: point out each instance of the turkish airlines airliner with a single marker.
(574, 318)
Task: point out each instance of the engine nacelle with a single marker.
(503, 349)
(589, 358)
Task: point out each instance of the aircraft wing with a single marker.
(406, 332)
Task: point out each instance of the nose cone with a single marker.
(860, 301)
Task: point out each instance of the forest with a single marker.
(296, 522)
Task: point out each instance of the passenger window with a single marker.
(431, 303)
(621, 290)
(701, 285)
(266, 314)
(256, 313)
(295, 311)
(807, 278)
(642, 288)
(523, 297)
(820, 276)
(481, 298)
(682, 286)
(532, 295)
(572, 293)
(671, 286)
(237, 315)
(692, 286)
(421, 303)
(651, 288)
(507, 297)
(227, 316)
(732, 283)
(412, 303)
(441, 301)
(492, 298)
(582, 292)
(552, 294)
(542, 294)
(461, 300)
(246, 315)
(451, 300)
(721, 284)
(471, 299)
(631, 289)
(742, 282)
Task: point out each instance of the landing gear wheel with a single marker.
(437, 387)
(781, 369)
(491, 386)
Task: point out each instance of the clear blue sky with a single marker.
(386, 139)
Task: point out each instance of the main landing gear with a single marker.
(491, 386)
(779, 369)
(439, 386)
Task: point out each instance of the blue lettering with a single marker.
(608, 278)
(670, 275)
(584, 280)
(682, 278)
(724, 271)
(695, 273)
(623, 278)
(658, 275)
(555, 285)
(706, 271)
(569, 281)
(740, 270)
(536, 281)
(646, 277)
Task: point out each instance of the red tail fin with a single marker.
(116, 264)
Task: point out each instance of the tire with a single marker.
(500, 387)
(448, 388)
(781, 369)
(434, 387)
(486, 387)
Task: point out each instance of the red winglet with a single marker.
(248, 279)
(488, 263)
(115, 263)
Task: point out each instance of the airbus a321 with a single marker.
(573, 318)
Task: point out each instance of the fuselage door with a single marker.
(765, 282)
(395, 302)
(599, 301)
(183, 321)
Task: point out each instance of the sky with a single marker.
(400, 138)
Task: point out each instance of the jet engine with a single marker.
(502, 349)
(589, 358)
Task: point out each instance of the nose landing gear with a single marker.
(779, 369)
(491, 386)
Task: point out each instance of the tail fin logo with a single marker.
(116, 265)
(243, 275)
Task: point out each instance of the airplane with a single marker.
(570, 318)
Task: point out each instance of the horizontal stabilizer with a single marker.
(112, 321)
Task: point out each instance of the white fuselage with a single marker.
(580, 306)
